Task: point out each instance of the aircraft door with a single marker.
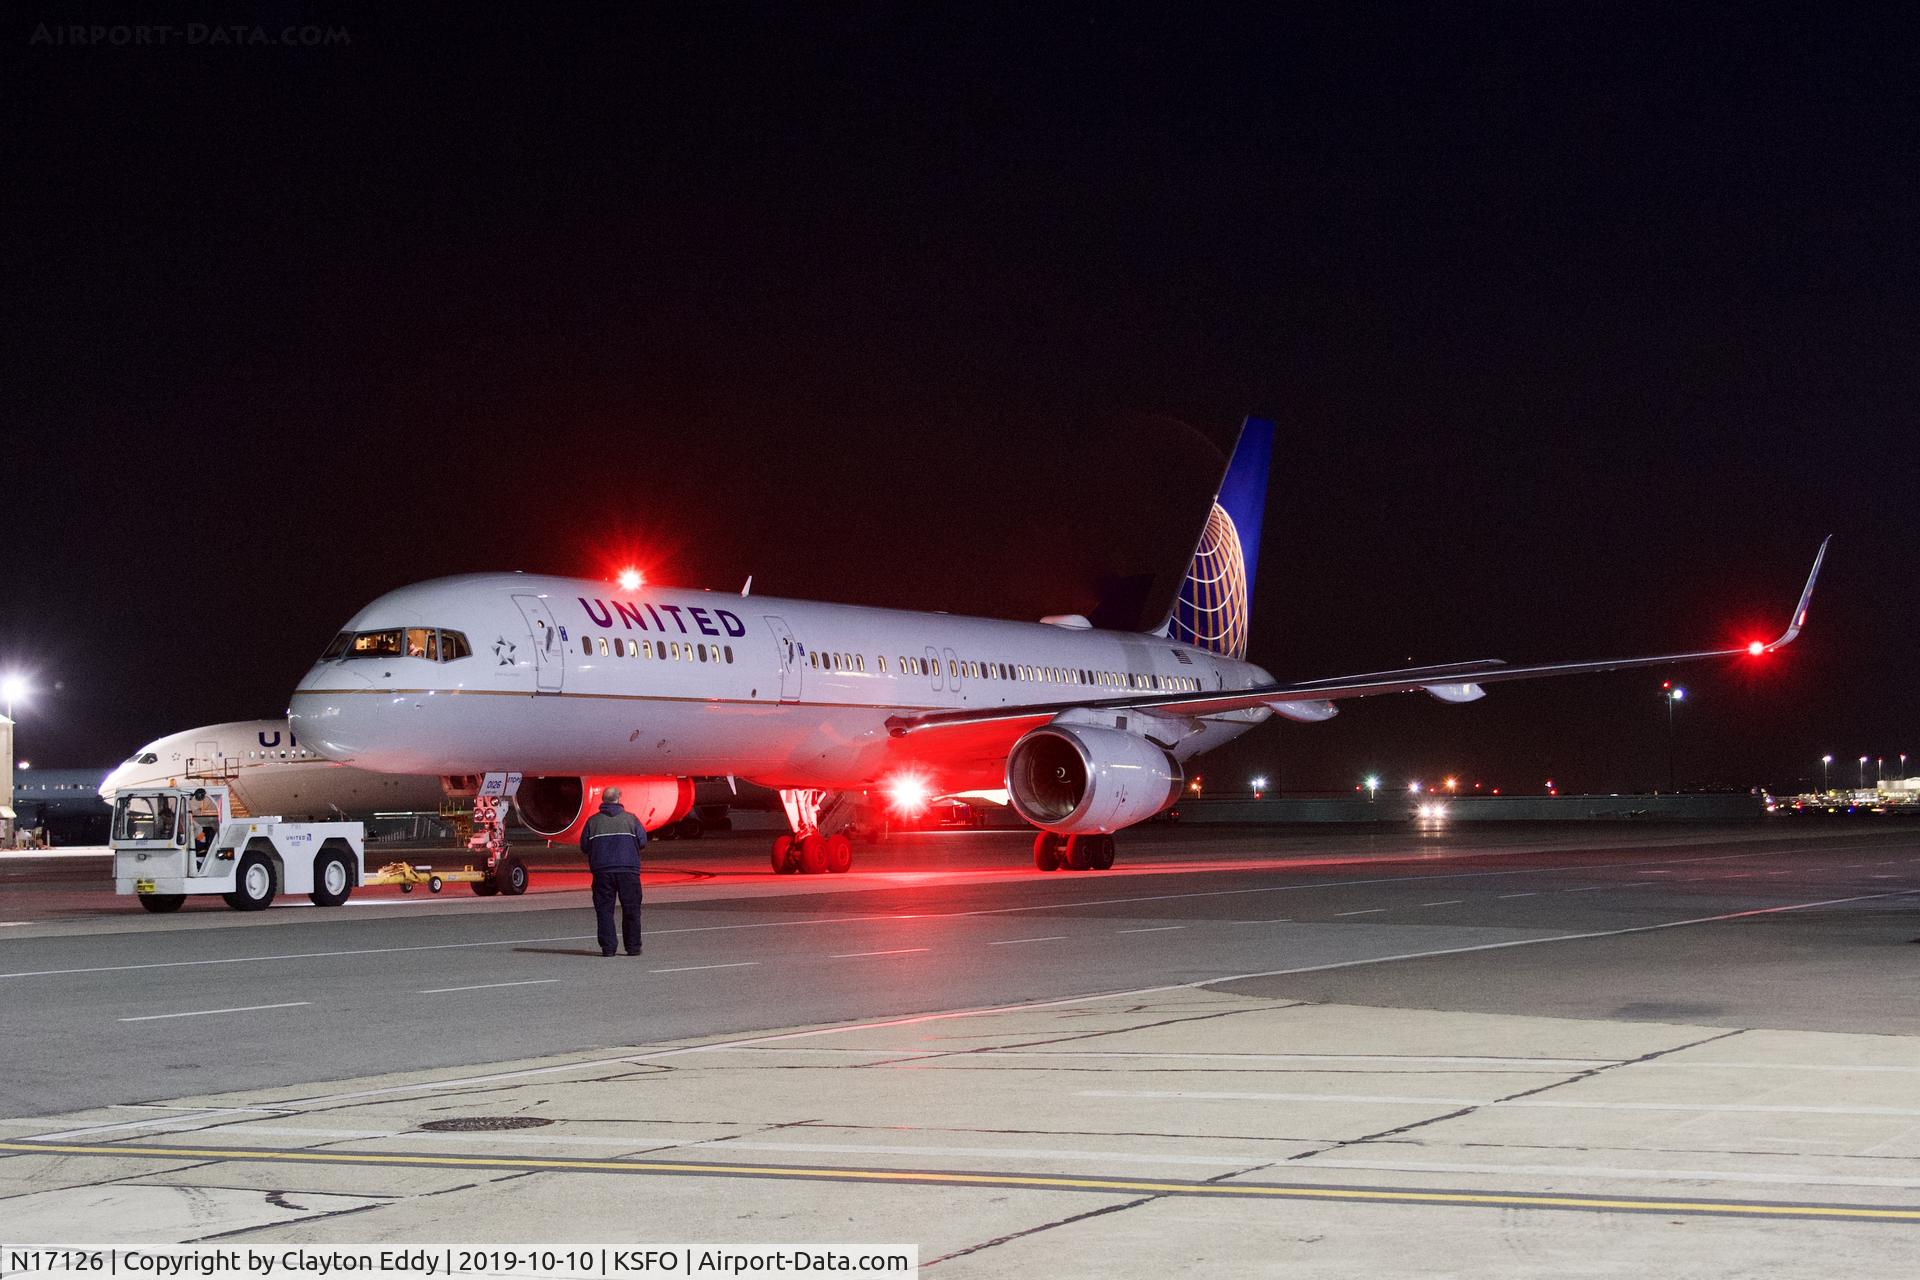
(789, 658)
(205, 761)
(933, 665)
(549, 653)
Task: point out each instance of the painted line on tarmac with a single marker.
(1066, 904)
(695, 968)
(993, 1181)
(897, 951)
(1533, 1104)
(1158, 928)
(1557, 937)
(487, 986)
(1010, 942)
(203, 1013)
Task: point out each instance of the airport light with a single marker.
(1453, 784)
(1826, 771)
(1414, 787)
(1259, 786)
(1674, 694)
(12, 690)
(1863, 773)
(1373, 785)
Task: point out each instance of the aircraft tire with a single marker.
(481, 888)
(783, 855)
(511, 877)
(1046, 851)
(161, 903)
(839, 853)
(813, 854)
(1075, 857)
(1101, 857)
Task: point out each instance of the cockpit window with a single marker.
(375, 644)
(412, 642)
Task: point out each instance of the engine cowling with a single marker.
(555, 808)
(1087, 780)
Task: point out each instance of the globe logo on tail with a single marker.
(1211, 613)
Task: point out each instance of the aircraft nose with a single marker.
(324, 710)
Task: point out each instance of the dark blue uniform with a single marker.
(612, 840)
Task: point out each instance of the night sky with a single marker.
(1581, 324)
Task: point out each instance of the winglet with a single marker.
(1799, 618)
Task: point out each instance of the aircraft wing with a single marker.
(1313, 699)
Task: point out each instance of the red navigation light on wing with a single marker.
(1756, 647)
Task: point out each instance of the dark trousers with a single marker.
(624, 885)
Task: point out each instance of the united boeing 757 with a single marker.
(582, 686)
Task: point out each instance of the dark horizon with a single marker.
(1581, 328)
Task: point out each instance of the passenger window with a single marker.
(603, 646)
(703, 652)
(728, 649)
(586, 645)
(646, 648)
(860, 663)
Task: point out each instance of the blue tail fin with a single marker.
(1211, 611)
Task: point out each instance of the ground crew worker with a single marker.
(612, 840)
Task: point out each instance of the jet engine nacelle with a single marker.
(557, 807)
(1088, 780)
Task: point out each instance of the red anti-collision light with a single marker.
(1755, 648)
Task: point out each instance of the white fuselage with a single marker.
(270, 771)
(566, 675)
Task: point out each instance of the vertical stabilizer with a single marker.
(1212, 608)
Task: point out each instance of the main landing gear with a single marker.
(810, 851)
(1052, 851)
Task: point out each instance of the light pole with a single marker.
(1373, 786)
(1674, 694)
(1259, 786)
(1826, 771)
(1863, 773)
(12, 688)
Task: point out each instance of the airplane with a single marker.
(268, 771)
(61, 802)
(1087, 730)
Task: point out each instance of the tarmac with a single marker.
(1594, 1052)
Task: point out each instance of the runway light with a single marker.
(1414, 787)
(1259, 785)
(907, 794)
(1453, 784)
(630, 579)
(1755, 648)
